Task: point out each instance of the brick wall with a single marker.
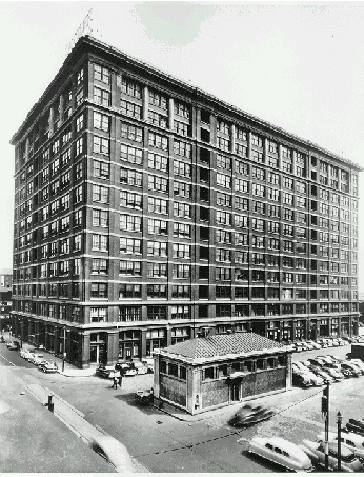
(214, 392)
(173, 389)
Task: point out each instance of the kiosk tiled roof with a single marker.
(221, 345)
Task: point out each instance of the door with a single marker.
(235, 391)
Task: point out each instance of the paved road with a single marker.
(33, 440)
(164, 444)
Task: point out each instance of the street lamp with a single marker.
(21, 333)
(339, 421)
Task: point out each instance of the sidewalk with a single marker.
(70, 370)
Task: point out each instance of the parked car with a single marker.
(354, 442)
(250, 414)
(105, 371)
(334, 373)
(14, 345)
(48, 367)
(140, 367)
(314, 344)
(127, 368)
(322, 343)
(149, 362)
(301, 379)
(316, 362)
(358, 362)
(302, 345)
(281, 452)
(37, 359)
(355, 370)
(316, 452)
(25, 352)
(114, 452)
(319, 372)
(355, 426)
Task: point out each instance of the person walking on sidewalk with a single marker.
(115, 381)
(120, 378)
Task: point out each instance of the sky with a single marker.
(298, 66)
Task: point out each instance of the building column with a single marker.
(289, 372)
(145, 103)
(112, 347)
(144, 343)
(85, 352)
(56, 340)
(36, 333)
(171, 114)
(168, 335)
(232, 138)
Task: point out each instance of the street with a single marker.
(163, 443)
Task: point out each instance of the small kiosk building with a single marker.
(202, 374)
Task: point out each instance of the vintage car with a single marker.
(13, 345)
(113, 452)
(48, 367)
(354, 442)
(316, 452)
(280, 451)
(301, 379)
(149, 362)
(356, 371)
(105, 371)
(354, 425)
(359, 363)
(126, 368)
(139, 366)
(334, 373)
(249, 415)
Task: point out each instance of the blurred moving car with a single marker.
(105, 371)
(280, 451)
(48, 367)
(114, 452)
(316, 452)
(250, 414)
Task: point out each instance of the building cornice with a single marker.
(91, 45)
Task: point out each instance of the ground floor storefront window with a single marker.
(155, 339)
(98, 348)
(129, 344)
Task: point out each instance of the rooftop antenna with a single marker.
(85, 28)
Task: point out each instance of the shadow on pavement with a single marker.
(129, 399)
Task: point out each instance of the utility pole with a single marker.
(325, 412)
(339, 421)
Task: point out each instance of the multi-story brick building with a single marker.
(6, 289)
(146, 209)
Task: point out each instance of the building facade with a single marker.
(146, 209)
(6, 304)
(206, 373)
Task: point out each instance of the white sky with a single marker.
(300, 67)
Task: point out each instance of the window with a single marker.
(181, 148)
(100, 243)
(131, 154)
(130, 177)
(222, 236)
(133, 133)
(130, 290)
(101, 96)
(224, 180)
(182, 230)
(130, 109)
(157, 249)
(131, 199)
(100, 194)
(223, 143)
(182, 209)
(182, 189)
(157, 206)
(130, 313)
(181, 291)
(101, 169)
(101, 74)
(256, 140)
(157, 99)
(241, 168)
(156, 226)
(242, 185)
(131, 223)
(132, 268)
(129, 245)
(99, 266)
(156, 140)
(182, 169)
(156, 269)
(157, 119)
(158, 162)
(98, 314)
(157, 183)
(101, 121)
(181, 270)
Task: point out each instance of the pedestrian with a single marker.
(115, 382)
(120, 377)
